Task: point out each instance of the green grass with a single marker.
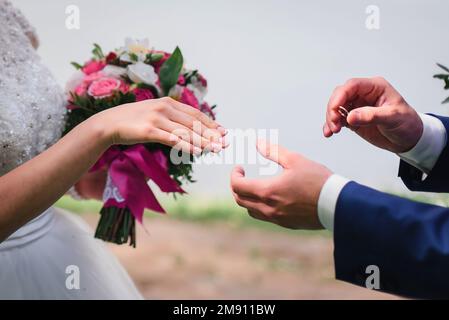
(194, 210)
(221, 211)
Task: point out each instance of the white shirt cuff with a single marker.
(327, 200)
(429, 147)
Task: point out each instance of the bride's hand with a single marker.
(163, 121)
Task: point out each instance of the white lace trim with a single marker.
(111, 191)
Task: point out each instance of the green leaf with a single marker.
(443, 67)
(446, 83)
(156, 57)
(76, 65)
(446, 100)
(134, 57)
(97, 51)
(170, 70)
(445, 78)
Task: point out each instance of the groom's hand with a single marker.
(290, 199)
(377, 113)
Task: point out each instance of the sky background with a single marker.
(271, 64)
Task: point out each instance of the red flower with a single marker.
(181, 80)
(143, 94)
(189, 98)
(111, 57)
(202, 80)
(205, 108)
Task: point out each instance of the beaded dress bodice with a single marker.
(31, 102)
(31, 109)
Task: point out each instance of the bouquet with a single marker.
(129, 74)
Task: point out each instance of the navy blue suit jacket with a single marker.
(408, 241)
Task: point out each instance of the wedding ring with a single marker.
(343, 112)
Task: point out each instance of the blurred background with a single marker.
(270, 65)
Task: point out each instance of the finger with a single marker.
(367, 89)
(195, 125)
(171, 140)
(190, 136)
(258, 215)
(247, 202)
(256, 209)
(204, 119)
(332, 115)
(326, 130)
(273, 152)
(244, 186)
(365, 116)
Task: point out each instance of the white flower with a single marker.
(139, 48)
(74, 81)
(176, 92)
(134, 44)
(114, 71)
(198, 89)
(142, 73)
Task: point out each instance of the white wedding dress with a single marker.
(46, 257)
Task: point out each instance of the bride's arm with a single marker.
(28, 190)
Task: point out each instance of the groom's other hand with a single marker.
(290, 199)
(377, 113)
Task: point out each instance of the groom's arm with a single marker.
(406, 240)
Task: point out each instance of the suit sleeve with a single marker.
(408, 242)
(437, 179)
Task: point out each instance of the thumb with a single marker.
(365, 116)
(273, 152)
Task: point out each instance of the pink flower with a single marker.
(189, 98)
(143, 94)
(81, 89)
(72, 106)
(87, 80)
(93, 66)
(124, 87)
(103, 87)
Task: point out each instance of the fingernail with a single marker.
(216, 147)
(222, 130)
(197, 151)
(224, 143)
